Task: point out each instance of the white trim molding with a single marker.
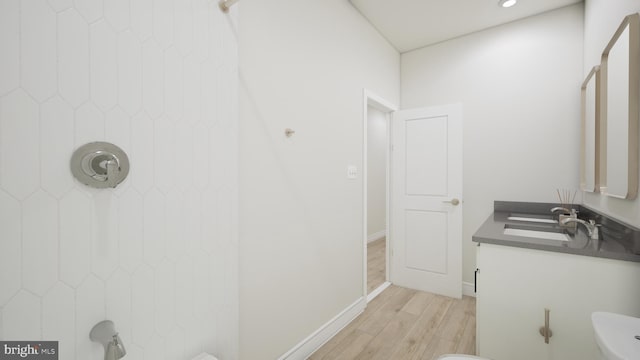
(313, 342)
(376, 236)
(468, 289)
(372, 295)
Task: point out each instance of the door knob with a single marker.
(453, 202)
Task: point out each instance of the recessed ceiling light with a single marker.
(507, 3)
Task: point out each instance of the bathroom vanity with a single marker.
(523, 273)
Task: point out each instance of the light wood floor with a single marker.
(376, 262)
(406, 324)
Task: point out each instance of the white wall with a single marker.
(157, 255)
(376, 172)
(519, 85)
(602, 19)
(303, 65)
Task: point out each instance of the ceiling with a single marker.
(411, 24)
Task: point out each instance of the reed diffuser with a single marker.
(566, 202)
(566, 198)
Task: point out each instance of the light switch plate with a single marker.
(352, 172)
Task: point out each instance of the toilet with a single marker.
(460, 357)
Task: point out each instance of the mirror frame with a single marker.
(633, 22)
(599, 175)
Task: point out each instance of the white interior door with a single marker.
(426, 209)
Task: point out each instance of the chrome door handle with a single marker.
(454, 202)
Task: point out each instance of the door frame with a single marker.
(373, 100)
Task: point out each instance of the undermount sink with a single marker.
(532, 218)
(618, 336)
(547, 234)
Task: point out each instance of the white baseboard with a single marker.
(313, 342)
(376, 236)
(372, 295)
(467, 289)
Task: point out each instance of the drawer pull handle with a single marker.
(544, 330)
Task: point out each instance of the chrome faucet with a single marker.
(592, 228)
(558, 209)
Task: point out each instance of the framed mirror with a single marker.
(590, 158)
(619, 73)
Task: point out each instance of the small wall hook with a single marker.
(289, 132)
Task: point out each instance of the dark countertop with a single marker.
(617, 240)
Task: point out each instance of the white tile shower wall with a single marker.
(158, 255)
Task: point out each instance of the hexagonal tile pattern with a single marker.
(214, 30)
(184, 151)
(18, 135)
(142, 152)
(39, 242)
(152, 78)
(104, 65)
(209, 86)
(73, 57)
(142, 305)
(173, 83)
(184, 28)
(225, 91)
(89, 124)
(117, 13)
(60, 5)
(192, 91)
(118, 128)
(58, 308)
(56, 139)
(165, 292)
(155, 348)
(200, 296)
(193, 229)
(185, 284)
(129, 72)
(10, 45)
(163, 22)
(176, 225)
(175, 347)
(91, 10)
(21, 317)
(104, 242)
(119, 303)
(210, 226)
(145, 75)
(134, 351)
(164, 151)
(225, 216)
(90, 309)
(131, 228)
(154, 227)
(142, 18)
(201, 26)
(10, 250)
(201, 146)
(75, 249)
(38, 49)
